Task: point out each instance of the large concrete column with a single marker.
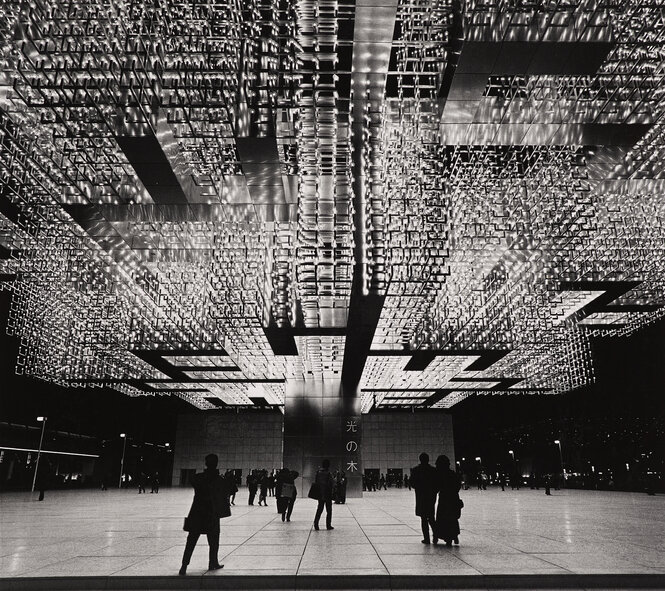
(322, 421)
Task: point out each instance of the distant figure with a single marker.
(424, 480)
(324, 484)
(252, 486)
(154, 482)
(142, 478)
(382, 483)
(231, 485)
(449, 508)
(211, 503)
(271, 484)
(407, 482)
(286, 492)
(502, 481)
(263, 488)
(548, 485)
(342, 487)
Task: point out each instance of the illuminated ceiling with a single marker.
(427, 199)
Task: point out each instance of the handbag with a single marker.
(288, 490)
(314, 492)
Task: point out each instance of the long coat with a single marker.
(424, 482)
(211, 502)
(285, 477)
(449, 509)
(324, 481)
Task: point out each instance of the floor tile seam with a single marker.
(557, 565)
(309, 535)
(375, 550)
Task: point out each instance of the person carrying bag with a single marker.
(210, 504)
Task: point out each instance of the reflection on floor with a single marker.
(121, 533)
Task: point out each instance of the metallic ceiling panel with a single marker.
(331, 189)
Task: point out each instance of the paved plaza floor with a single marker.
(121, 533)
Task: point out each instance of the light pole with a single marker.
(563, 470)
(122, 460)
(42, 420)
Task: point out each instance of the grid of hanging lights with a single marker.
(496, 221)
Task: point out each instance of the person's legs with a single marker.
(319, 510)
(213, 543)
(290, 509)
(329, 514)
(424, 526)
(41, 494)
(192, 538)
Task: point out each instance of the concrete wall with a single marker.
(245, 440)
(395, 439)
(253, 439)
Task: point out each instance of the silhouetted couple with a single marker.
(428, 482)
(211, 503)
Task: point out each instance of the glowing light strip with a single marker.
(48, 451)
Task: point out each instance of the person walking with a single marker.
(407, 482)
(271, 484)
(424, 481)
(449, 507)
(231, 485)
(210, 504)
(548, 485)
(142, 478)
(252, 486)
(286, 492)
(382, 482)
(263, 488)
(323, 482)
(154, 483)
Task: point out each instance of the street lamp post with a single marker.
(563, 470)
(122, 460)
(42, 420)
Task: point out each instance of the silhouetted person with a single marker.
(142, 478)
(154, 482)
(211, 503)
(324, 484)
(502, 481)
(286, 492)
(252, 486)
(342, 488)
(548, 484)
(449, 508)
(231, 485)
(271, 484)
(407, 482)
(263, 489)
(382, 483)
(424, 481)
